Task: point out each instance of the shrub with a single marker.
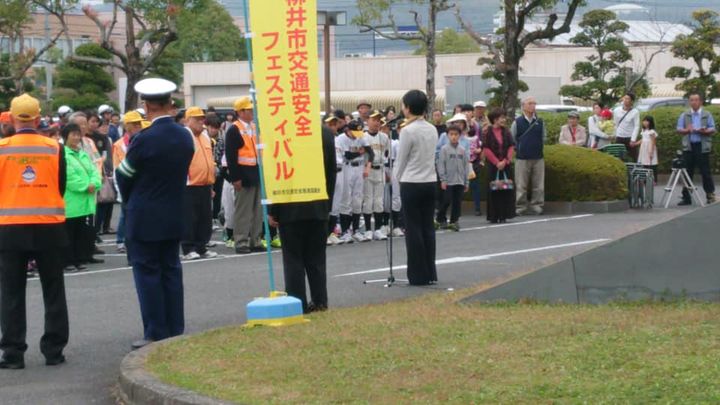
(665, 123)
(579, 174)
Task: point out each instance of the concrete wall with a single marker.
(673, 259)
(407, 72)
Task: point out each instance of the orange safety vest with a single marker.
(202, 166)
(29, 171)
(247, 155)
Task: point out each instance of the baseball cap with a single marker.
(194, 112)
(376, 114)
(132, 117)
(145, 124)
(573, 114)
(243, 103)
(43, 126)
(363, 102)
(25, 108)
(330, 119)
(479, 104)
(356, 128)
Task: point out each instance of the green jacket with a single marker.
(81, 172)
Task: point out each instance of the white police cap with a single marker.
(479, 104)
(155, 89)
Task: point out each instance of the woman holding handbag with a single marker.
(498, 149)
(83, 182)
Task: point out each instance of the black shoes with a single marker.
(93, 260)
(684, 203)
(54, 361)
(242, 250)
(312, 307)
(8, 364)
(20, 364)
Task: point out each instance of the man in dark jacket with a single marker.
(303, 231)
(152, 180)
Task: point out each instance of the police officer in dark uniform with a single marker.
(303, 231)
(32, 226)
(152, 180)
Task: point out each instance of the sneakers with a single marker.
(398, 233)
(379, 235)
(333, 240)
(368, 235)
(230, 243)
(208, 254)
(454, 226)
(710, 198)
(191, 256)
(358, 237)
(121, 248)
(347, 237)
(276, 243)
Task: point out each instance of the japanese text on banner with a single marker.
(285, 65)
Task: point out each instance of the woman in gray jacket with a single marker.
(415, 170)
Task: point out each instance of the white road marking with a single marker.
(232, 256)
(463, 259)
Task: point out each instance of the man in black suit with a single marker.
(303, 231)
(152, 181)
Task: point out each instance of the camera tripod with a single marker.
(680, 174)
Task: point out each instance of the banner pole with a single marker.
(263, 195)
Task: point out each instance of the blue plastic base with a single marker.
(274, 311)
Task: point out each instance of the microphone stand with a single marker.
(390, 280)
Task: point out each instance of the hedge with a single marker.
(580, 174)
(665, 123)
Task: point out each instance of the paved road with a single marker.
(104, 313)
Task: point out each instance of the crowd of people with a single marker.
(179, 175)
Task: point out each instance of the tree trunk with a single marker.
(430, 57)
(131, 96)
(511, 61)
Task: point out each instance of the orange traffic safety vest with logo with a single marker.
(29, 171)
(247, 155)
(202, 166)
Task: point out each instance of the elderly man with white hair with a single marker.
(529, 134)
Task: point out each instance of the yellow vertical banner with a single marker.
(287, 90)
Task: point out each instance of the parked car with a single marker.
(647, 104)
(560, 108)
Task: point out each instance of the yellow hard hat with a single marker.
(243, 103)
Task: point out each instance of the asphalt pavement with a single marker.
(104, 314)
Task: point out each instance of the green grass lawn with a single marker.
(432, 350)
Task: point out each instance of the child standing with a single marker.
(607, 126)
(452, 167)
(648, 145)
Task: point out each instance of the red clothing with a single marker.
(495, 150)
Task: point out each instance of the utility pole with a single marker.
(48, 65)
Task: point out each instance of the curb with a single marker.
(137, 386)
(567, 207)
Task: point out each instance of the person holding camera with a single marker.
(697, 127)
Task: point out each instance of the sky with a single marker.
(479, 12)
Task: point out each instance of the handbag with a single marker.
(107, 192)
(501, 184)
